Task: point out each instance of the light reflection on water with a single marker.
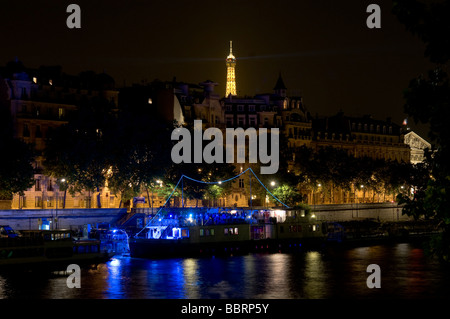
(405, 273)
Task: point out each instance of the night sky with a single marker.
(323, 49)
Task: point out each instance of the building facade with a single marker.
(362, 137)
(41, 100)
(418, 145)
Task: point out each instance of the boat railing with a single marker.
(164, 222)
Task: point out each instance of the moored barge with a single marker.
(48, 249)
(215, 232)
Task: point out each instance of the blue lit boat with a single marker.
(207, 232)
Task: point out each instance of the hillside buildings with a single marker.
(45, 98)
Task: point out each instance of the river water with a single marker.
(406, 272)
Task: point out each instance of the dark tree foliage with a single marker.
(213, 172)
(79, 151)
(139, 152)
(16, 160)
(428, 102)
(16, 167)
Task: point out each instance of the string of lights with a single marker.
(219, 182)
(157, 213)
(267, 189)
(211, 183)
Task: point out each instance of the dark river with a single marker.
(406, 272)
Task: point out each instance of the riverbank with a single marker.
(372, 232)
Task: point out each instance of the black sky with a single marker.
(323, 49)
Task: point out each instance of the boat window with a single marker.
(225, 231)
(184, 233)
(236, 231)
(201, 232)
(212, 231)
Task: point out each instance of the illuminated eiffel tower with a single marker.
(231, 73)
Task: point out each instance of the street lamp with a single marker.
(159, 182)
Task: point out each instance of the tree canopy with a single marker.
(16, 162)
(428, 102)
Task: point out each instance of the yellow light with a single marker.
(231, 76)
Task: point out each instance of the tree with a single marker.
(139, 150)
(287, 194)
(213, 172)
(79, 151)
(16, 162)
(428, 102)
(16, 168)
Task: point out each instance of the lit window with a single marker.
(34, 79)
(236, 231)
(50, 201)
(50, 82)
(150, 101)
(38, 201)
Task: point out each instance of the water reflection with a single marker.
(406, 272)
(316, 276)
(191, 278)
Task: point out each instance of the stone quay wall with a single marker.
(60, 219)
